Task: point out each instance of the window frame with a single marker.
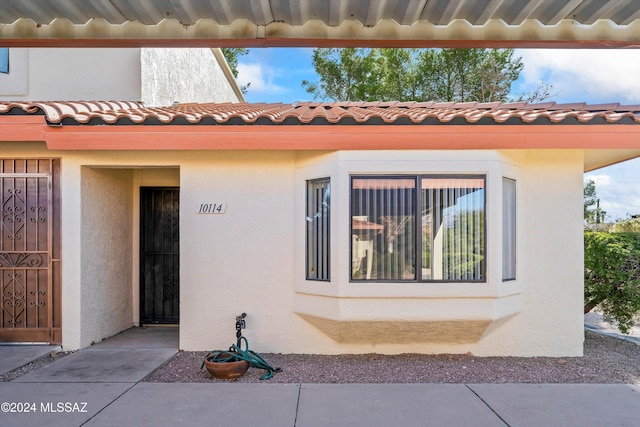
(308, 184)
(419, 203)
(514, 229)
(5, 66)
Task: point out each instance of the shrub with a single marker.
(627, 225)
(612, 276)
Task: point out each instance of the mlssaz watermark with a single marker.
(44, 407)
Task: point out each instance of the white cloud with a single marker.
(261, 77)
(604, 75)
(593, 76)
(618, 188)
(601, 180)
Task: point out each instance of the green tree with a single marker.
(612, 276)
(384, 74)
(594, 215)
(590, 197)
(231, 54)
(347, 74)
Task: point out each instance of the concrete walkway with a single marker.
(124, 358)
(595, 322)
(306, 405)
(13, 356)
(99, 386)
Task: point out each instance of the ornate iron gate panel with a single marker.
(29, 251)
(159, 255)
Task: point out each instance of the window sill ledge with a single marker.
(406, 320)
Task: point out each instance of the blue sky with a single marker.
(276, 74)
(577, 75)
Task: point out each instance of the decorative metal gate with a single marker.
(30, 250)
(159, 255)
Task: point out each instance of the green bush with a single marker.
(627, 225)
(612, 276)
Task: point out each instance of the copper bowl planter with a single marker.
(226, 370)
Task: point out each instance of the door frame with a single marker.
(141, 258)
(22, 168)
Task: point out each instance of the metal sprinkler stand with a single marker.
(238, 354)
(240, 325)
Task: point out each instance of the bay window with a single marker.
(418, 228)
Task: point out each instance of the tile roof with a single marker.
(320, 113)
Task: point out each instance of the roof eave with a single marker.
(343, 137)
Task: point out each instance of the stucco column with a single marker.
(71, 249)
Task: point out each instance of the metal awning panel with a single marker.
(310, 22)
(329, 12)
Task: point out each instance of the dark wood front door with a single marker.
(30, 279)
(160, 255)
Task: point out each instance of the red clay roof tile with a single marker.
(318, 113)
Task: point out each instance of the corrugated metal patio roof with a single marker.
(329, 12)
(310, 22)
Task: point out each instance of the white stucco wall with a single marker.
(155, 76)
(550, 257)
(183, 75)
(15, 83)
(243, 260)
(106, 253)
(250, 259)
(246, 268)
(64, 74)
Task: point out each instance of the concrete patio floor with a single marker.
(127, 357)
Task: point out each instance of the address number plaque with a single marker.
(212, 208)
